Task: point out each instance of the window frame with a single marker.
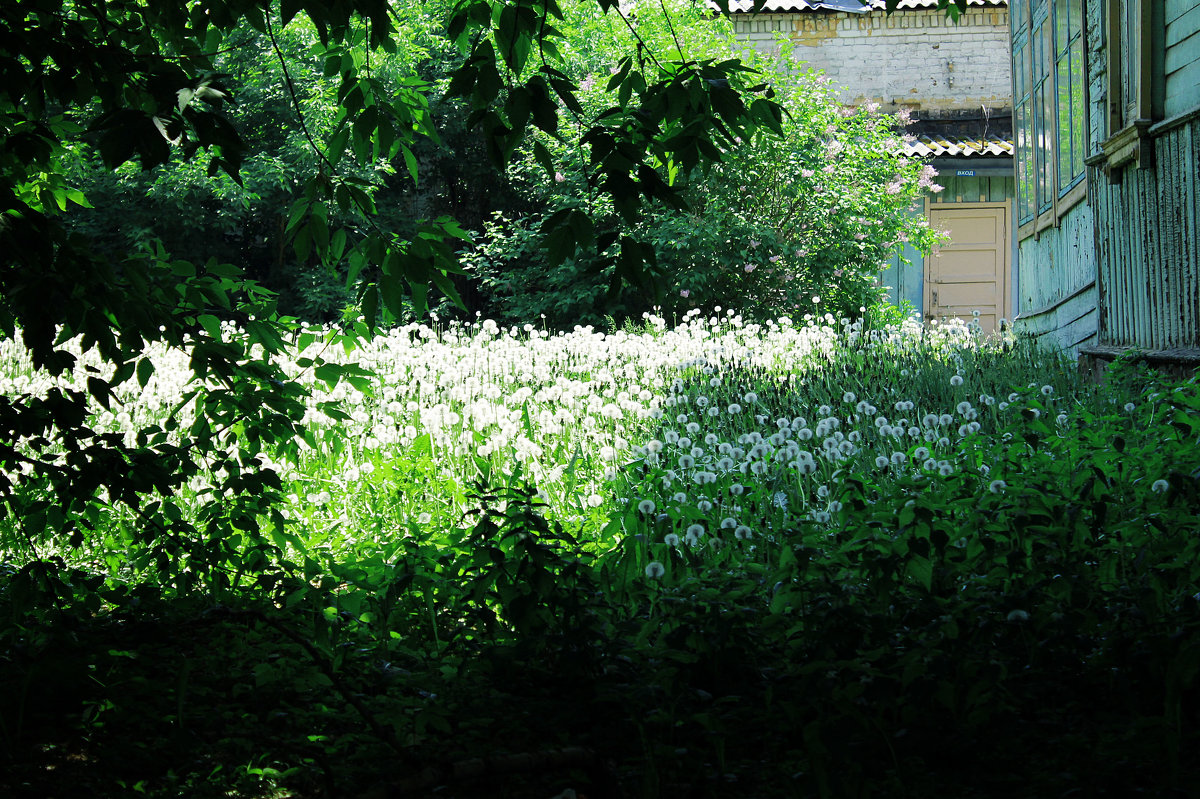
(1044, 193)
(1129, 119)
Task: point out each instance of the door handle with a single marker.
(935, 297)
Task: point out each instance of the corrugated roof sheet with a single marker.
(924, 145)
(792, 6)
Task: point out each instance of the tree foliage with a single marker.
(144, 85)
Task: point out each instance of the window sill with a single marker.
(1053, 215)
(1133, 144)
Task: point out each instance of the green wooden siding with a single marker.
(903, 274)
(1056, 291)
(1149, 247)
(973, 190)
(904, 278)
(1182, 62)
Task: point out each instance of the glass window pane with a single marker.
(1078, 109)
(1064, 124)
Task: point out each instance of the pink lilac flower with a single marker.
(750, 268)
(559, 177)
(807, 173)
(774, 259)
(685, 293)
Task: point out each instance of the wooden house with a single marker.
(953, 79)
(1107, 118)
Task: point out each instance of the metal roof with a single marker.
(846, 6)
(925, 145)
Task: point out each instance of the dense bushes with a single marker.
(779, 222)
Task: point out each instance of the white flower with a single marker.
(654, 570)
(956, 380)
(671, 540)
(646, 506)
(737, 489)
(1160, 486)
(1047, 390)
(1129, 406)
(686, 461)
(1018, 616)
(735, 409)
(695, 531)
(680, 497)
(742, 532)
(997, 486)
(849, 398)
(595, 500)
(654, 445)
(881, 462)
(750, 398)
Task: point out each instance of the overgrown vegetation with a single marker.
(717, 559)
(241, 555)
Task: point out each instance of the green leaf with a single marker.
(329, 373)
(211, 325)
(921, 570)
(145, 370)
(410, 161)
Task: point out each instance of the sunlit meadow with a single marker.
(653, 540)
(709, 437)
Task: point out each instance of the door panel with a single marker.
(970, 272)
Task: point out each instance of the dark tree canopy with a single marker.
(139, 82)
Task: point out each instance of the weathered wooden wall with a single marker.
(972, 190)
(1057, 293)
(1148, 217)
(1182, 66)
(1057, 299)
(1149, 246)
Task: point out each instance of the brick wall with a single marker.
(914, 58)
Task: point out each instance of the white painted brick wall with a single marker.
(915, 58)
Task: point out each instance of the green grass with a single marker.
(898, 561)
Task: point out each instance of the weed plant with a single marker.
(796, 558)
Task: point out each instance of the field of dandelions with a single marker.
(899, 539)
(709, 437)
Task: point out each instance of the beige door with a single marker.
(970, 272)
